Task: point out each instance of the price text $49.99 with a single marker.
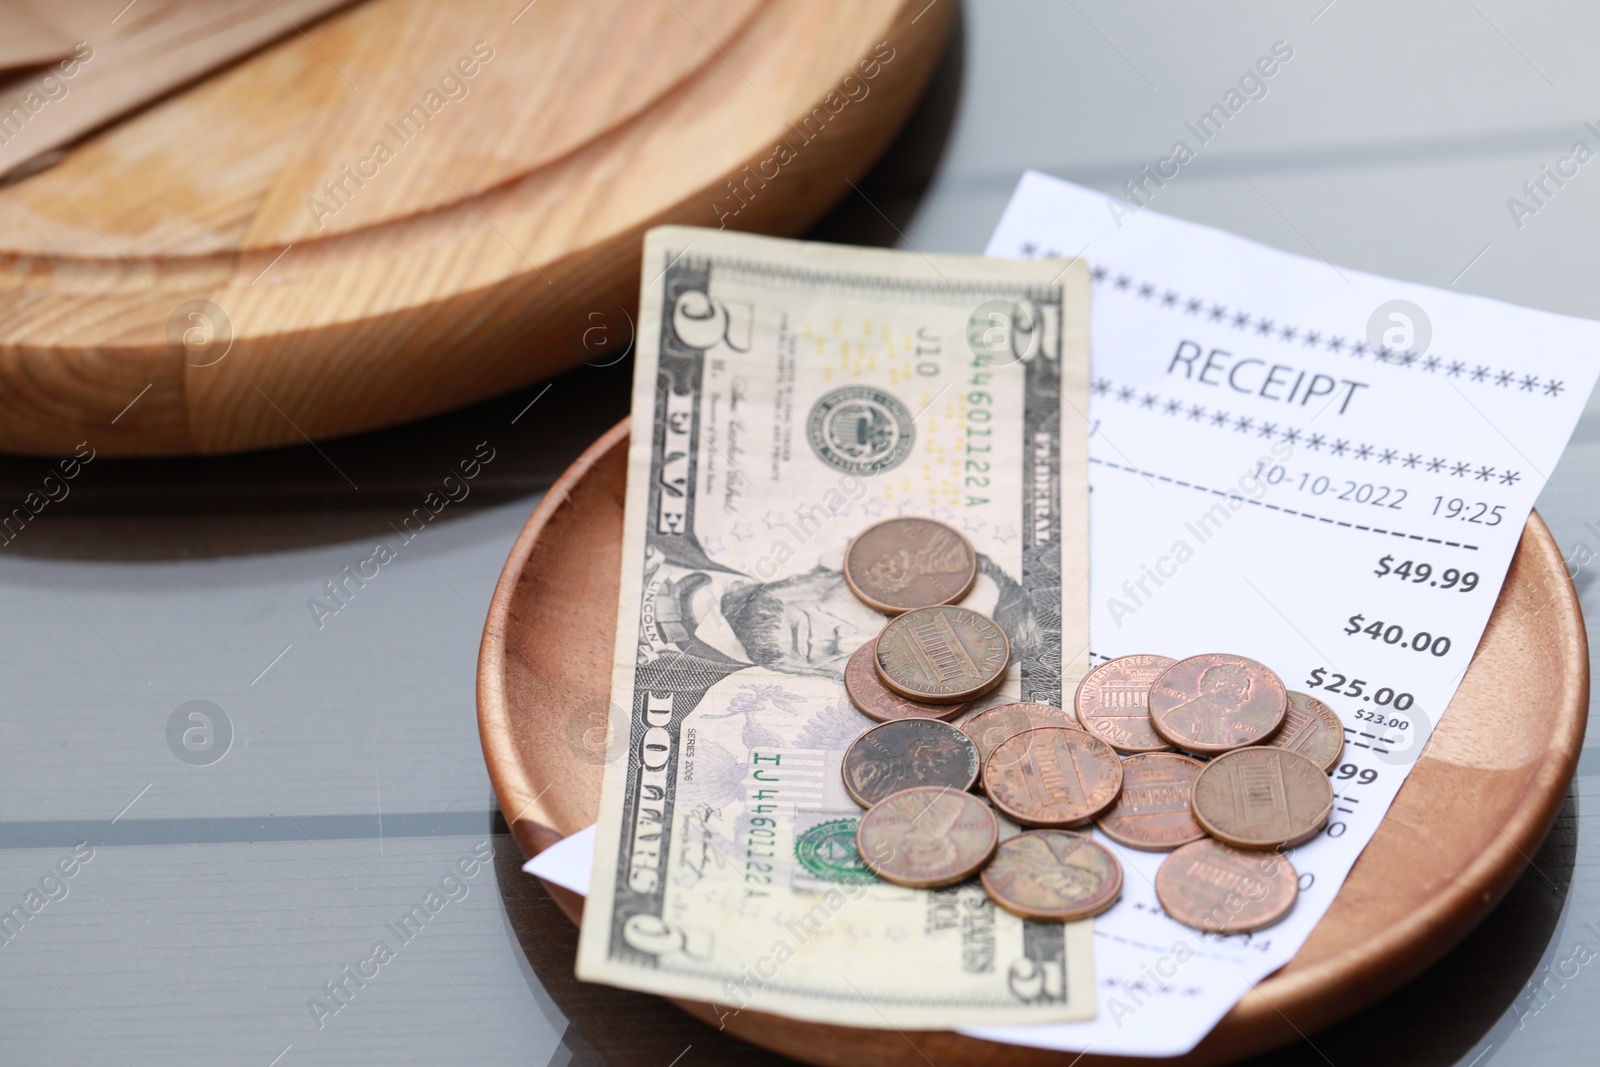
(1423, 573)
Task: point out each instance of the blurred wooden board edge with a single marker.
(129, 72)
(1286, 1006)
(463, 343)
(30, 41)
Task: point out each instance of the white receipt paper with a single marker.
(1320, 469)
(568, 863)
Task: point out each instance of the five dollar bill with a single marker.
(786, 395)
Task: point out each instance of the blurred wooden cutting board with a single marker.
(29, 39)
(87, 62)
(413, 206)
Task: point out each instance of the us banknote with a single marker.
(787, 395)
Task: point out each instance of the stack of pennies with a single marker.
(932, 659)
(1210, 758)
(1223, 767)
(913, 772)
(929, 663)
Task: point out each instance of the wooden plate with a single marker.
(341, 288)
(1476, 805)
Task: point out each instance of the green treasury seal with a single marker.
(860, 429)
(828, 851)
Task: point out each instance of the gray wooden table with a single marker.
(240, 867)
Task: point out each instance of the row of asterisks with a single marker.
(1265, 327)
(1316, 442)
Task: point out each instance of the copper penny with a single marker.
(1215, 703)
(877, 701)
(905, 754)
(900, 564)
(1262, 798)
(1156, 809)
(1312, 729)
(942, 655)
(993, 725)
(1052, 776)
(1113, 702)
(928, 837)
(1215, 889)
(1053, 875)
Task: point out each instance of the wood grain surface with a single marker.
(412, 206)
(1477, 803)
(116, 60)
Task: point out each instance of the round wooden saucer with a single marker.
(1477, 803)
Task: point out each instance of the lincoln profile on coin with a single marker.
(1205, 717)
(895, 570)
(1038, 874)
(927, 844)
(920, 763)
(908, 562)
